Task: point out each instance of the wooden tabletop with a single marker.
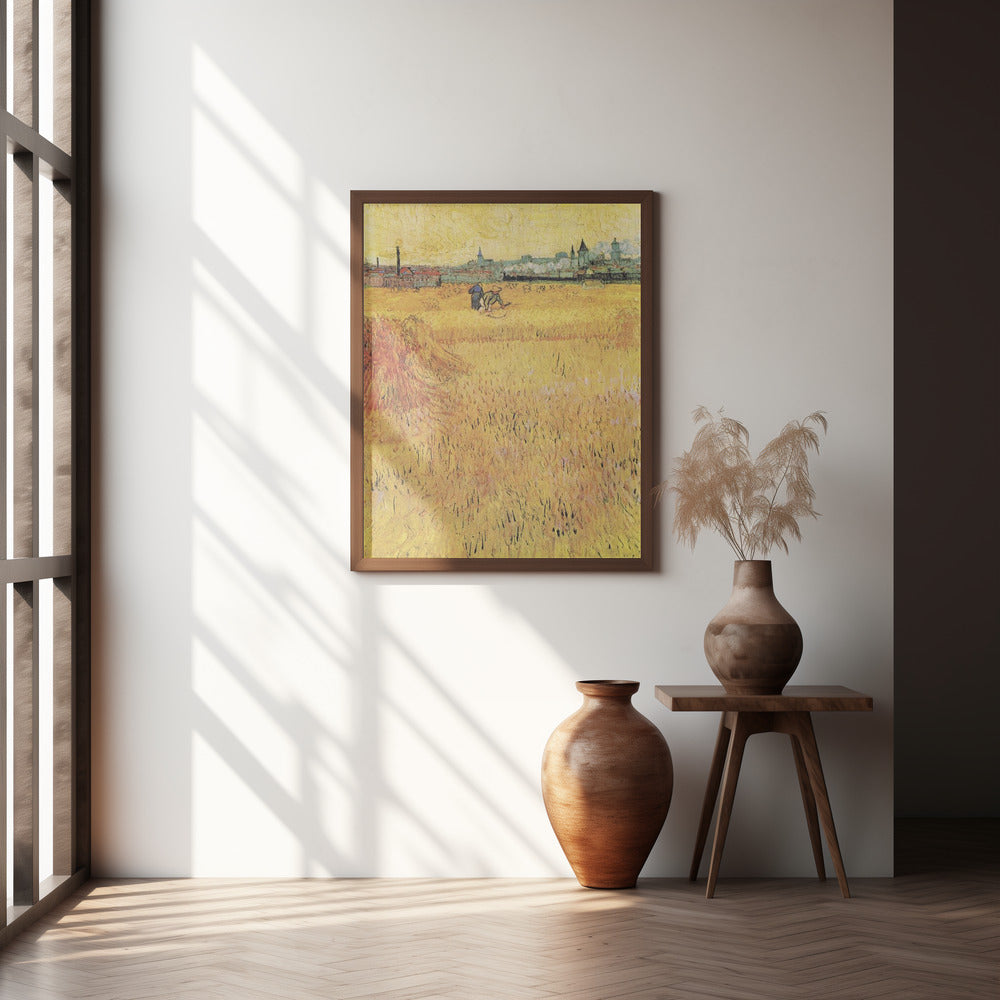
(795, 698)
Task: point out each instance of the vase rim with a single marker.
(608, 688)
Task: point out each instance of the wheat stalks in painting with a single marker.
(514, 434)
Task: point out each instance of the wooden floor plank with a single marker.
(934, 931)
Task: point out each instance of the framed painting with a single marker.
(501, 368)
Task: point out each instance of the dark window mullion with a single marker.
(64, 796)
(25, 347)
(62, 369)
(24, 49)
(35, 374)
(4, 388)
(36, 112)
(25, 621)
(63, 750)
(85, 28)
(62, 65)
(25, 744)
(3, 744)
(3, 73)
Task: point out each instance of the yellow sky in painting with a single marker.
(451, 234)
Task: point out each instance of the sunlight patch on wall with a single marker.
(274, 637)
(268, 701)
(254, 402)
(451, 748)
(329, 260)
(272, 153)
(247, 192)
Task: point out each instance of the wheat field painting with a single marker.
(500, 370)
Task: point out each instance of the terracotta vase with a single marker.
(607, 778)
(753, 644)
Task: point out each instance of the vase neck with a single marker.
(752, 573)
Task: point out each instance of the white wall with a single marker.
(259, 710)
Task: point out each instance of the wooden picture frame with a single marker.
(501, 380)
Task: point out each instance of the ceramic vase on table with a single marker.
(753, 645)
(607, 779)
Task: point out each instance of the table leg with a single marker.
(809, 804)
(802, 723)
(741, 730)
(711, 794)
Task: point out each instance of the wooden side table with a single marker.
(742, 716)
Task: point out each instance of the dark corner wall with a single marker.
(947, 408)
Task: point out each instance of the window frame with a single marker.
(23, 568)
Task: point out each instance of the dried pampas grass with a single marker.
(755, 504)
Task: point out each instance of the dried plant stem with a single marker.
(753, 503)
(726, 529)
(770, 505)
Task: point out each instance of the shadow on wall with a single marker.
(293, 703)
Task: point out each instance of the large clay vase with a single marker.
(753, 644)
(607, 778)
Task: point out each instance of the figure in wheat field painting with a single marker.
(510, 430)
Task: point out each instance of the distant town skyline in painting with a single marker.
(520, 243)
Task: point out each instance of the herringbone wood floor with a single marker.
(932, 932)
